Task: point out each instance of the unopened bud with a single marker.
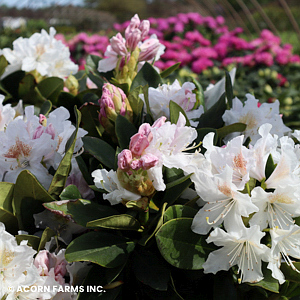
(112, 103)
(124, 159)
(118, 44)
(138, 143)
(149, 49)
(72, 85)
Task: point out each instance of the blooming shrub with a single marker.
(122, 181)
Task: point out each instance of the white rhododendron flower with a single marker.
(41, 52)
(7, 113)
(240, 247)
(17, 268)
(35, 144)
(254, 116)
(160, 97)
(285, 244)
(224, 203)
(233, 154)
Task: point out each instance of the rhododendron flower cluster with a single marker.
(36, 144)
(41, 53)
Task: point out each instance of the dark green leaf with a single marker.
(6, 211)
(93, 61)
(81, 76)
(28, 91)
(95, 77)
(51, 87)
(236, 127)
(100, 150)
(146, 267)
(68, 101)
(124, 131)
(289, 273)
(84, 170)
(101, 277)
(48, 233)
(136, 103)
(70, 192)
(33, 241)
(46, 108)
(175, 109)
(179, 211)
(29, 195)
(11, 83)
(90, 119)
(199, 93)
(169, 71)
(270, 166)
(80, 211)
(3, 64)
(60, 177)
(102, 248)
(180, 246)
(120, 222)
(177, 181)
(146, 75)
(213, 117)
(228, 89)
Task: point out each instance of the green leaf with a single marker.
(80, 211)
(81, 76)
(33, 241)
(29, 195)
(175, 109)
(93, 61)
(180, 246)
(84, 170)
(169, 70)
(102, 248)
(289, 273)
(120, 222)
(199, 93)
(146, 267)
(46, 108)
(177, 181)
(6, 211)
(28, 91)
(270, 166)
(3, 64)
(100, 150)
(136, 102)
(94, 77)
(90, 119)
(179, 211)
(11, 83)
(70, 192)
(124, 131)
(60, 177)
(101, 277)
(228, 89)
(236, 127)
(48, 233)
(146, 75)
(145, 90)
(51, 87)
(68, 101)
(213, 117)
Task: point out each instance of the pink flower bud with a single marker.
(118, 45)
(149, 49)
(145, 129)
(159, 122)
(138, 143)
(42, 120)
(148, 161)
(124, 159)
(134, 23)
(144, 28)
(133, 38)
(136, 164)
(42, 262)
